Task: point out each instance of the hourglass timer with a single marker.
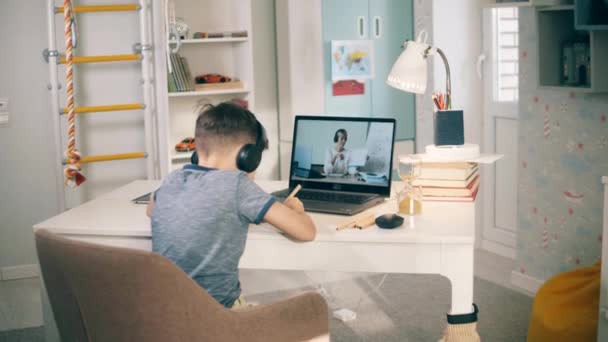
(409, 198)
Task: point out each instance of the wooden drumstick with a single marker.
(360, 222)
(365, 222)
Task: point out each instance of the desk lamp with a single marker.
(409, 71)
(409, 74)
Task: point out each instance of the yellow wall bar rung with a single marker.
(108, 108)
(107, 58)
(102, 8)
(109, 157)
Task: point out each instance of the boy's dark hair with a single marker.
(226, 124)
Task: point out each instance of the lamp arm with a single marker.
(448, 81)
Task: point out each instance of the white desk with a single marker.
(441, 242)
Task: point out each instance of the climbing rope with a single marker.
(73, 176)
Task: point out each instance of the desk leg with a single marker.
(50, 328)
(457, 266)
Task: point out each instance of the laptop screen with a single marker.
(343, 153)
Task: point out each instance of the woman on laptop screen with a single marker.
(337, 157)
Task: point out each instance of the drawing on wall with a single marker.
(352, 60)
(348, 87)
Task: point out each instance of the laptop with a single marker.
(359, 180)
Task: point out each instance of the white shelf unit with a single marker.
(555, 26)
(209, 92)
(181, 156)
(211, 40)
(591, 15)
(230, 56)
(509, 4)
(497, 3)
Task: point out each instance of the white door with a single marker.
(499, 68)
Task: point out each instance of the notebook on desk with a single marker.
(341, 179)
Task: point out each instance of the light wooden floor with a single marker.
(20, 305)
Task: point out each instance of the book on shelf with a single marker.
(171, 83)
(451, 171)
(470, 198)
(181, 73)
(176, 73)
(228, 34)
(455, 191)
(447, 183)
(187, 74)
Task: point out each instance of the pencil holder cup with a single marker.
(449, 127)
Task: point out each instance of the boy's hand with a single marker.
(295, 204)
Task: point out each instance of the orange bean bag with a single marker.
(566, 307)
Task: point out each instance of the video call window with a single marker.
(353, 152)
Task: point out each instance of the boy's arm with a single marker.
(150, 206)
(291, 218)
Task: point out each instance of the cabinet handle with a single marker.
(361, 27)
(377, 27)
(480, 59)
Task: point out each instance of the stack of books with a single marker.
(180, 79)
(458, 181)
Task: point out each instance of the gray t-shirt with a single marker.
(200, 222)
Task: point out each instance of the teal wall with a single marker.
(379, 100)
(563, 152)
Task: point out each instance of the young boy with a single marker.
(200, 214)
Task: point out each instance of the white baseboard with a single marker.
(496, 248)
(524, 281)
(19, 272)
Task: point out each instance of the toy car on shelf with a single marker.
(212, 78)
(186, 145)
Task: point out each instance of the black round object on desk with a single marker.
(389, 221)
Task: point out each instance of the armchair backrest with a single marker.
(102, 293)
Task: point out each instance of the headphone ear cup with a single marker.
(194, 158)
(248, 158)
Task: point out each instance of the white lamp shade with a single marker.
(409, 71)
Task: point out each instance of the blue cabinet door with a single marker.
(391, 24)
(341, 22)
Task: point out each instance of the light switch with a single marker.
(3, 104)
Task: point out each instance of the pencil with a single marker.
(436, 102)
(294, 192)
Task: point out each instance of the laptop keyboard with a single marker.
(333, 197)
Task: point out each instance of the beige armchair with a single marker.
(102, 293)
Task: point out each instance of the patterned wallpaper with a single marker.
(563, 153)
